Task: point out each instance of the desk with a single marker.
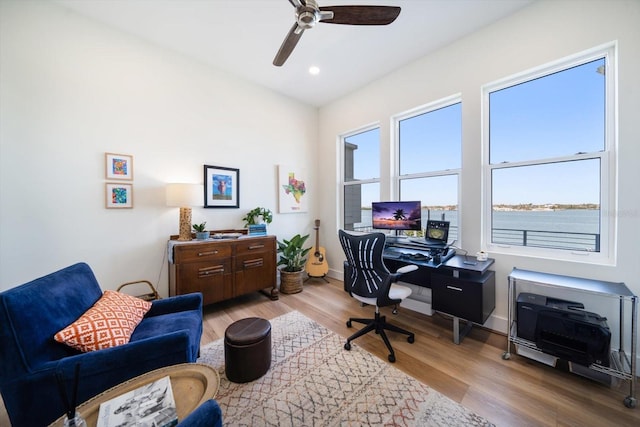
(192, 385)
(461, 286)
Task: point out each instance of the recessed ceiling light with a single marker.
(314, 71)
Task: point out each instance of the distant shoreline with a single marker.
(520, 207)
(546, 207)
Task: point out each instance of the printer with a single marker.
(563, 329)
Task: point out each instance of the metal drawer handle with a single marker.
(250, 263)
(211, 270)
(256, 247)
(207, 253)
(453, 288)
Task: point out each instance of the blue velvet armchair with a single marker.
(30, 359)
(208, 414)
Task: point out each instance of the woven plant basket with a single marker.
(291, 281)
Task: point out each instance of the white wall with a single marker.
(543, 32)
(72, 89)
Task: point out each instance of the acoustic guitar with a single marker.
(317, 265)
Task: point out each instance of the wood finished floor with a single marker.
(517, 392)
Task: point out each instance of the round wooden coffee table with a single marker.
(192, 385)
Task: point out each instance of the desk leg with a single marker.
(457, 335)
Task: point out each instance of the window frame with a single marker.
(343, 182)
(607, 157)
(397, 178)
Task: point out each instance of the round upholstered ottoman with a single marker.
(247, 349)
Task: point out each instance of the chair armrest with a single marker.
(406, 269)
(175, 304)
(402, 270)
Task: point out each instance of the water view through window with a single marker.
(548, 167)
(546, 145)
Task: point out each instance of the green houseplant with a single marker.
(293, 258)
(253, 216)
(201, 233)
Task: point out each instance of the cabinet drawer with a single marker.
(191, 253)
(254, 272)
(259, 260)
(213, 279)
(250, 246)
(202, 270)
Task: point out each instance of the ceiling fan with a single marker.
(308, 14)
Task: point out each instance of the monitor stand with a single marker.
(395, 238)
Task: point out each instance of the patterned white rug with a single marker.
(313, 381)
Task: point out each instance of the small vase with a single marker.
(76, 421)
(202, 235)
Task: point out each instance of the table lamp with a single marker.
(185, 196)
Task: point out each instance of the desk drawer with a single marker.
(207, 251)
(469, 299)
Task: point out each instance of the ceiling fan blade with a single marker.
(288, 44)
(361, 15)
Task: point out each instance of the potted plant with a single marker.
(256, 215)
(293, 258)
(201, 233)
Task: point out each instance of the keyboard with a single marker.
(419, 257)
(418, 240)
(392, 253)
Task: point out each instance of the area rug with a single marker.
(313, 381)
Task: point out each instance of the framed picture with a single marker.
(118, 196)
(292, 190)
(119, 166)
(221, 187)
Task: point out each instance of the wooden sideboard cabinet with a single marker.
(223, 268)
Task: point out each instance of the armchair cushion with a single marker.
(108, 323)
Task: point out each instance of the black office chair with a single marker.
(368, 280)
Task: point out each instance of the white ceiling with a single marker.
(243, 36)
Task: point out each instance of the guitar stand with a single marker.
(317, 277)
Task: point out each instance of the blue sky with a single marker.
(558, 115)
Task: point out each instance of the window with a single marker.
(550, 169)
(361, 177)
(429, 143)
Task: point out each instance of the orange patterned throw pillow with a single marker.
(110, 322)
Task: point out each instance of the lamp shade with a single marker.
(185, 195)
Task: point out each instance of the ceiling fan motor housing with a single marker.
(307, 15)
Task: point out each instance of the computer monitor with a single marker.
(437, 233)
(397, 215)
